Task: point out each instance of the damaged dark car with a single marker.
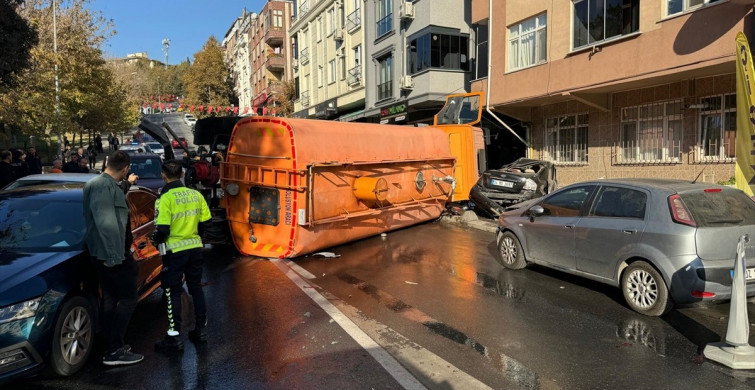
(521, 180)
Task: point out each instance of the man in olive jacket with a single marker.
(108, 239)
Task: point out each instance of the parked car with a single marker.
(133, 149)
(190, 120)
(157, 148)
(149, 169)
(180, 143)
(63, 178)
(522, 180)
(660, 241)
(49, 293)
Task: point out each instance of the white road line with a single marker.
(402, 376)
(299, 270)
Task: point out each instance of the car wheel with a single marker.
(644, 289)
(510, 251)
(73, 339)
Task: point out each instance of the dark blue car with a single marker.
(49, 293)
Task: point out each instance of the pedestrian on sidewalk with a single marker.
(109, 240)
(20, 167)
(91, 155)
(72, 166)
(33, 160)
(181, 214)
(57, 166)
(6, 170)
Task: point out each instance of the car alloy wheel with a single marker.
(642, 288)
(510, 251)
(76, 335)
(645, 290)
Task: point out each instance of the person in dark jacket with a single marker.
(72, 166)
(20, 167)
(34, 162)
(91, 155)
(108, 239)
(6, 170)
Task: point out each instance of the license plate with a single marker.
(501, 183)
(749, 274)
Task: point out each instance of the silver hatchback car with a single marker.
(661, 241)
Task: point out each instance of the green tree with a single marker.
(288, 95)
(207, 81)
(17, 38)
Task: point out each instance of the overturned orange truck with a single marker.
(295, 186)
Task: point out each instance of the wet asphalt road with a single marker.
(433, 289)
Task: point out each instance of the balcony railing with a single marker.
(385, 90)
(303, 8)
(355, 75)
(275, 61)
(354, 20)
(566, 153)
(649, 151)
(716, 151)
(275, 35)
(304, 56)
(274, 88)
(304, 99)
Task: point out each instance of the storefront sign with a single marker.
(325, 109)
(396, 109)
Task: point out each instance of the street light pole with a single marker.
(57, 83)
(159, 98)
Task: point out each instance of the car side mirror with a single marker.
(536, 211)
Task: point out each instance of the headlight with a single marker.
(530, 185)
(19, 310)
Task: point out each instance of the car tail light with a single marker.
(679, 212)
(712, 190)
(703, 294)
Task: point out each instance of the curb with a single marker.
(471, 220)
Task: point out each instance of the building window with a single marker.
(651, 133)
(566, 138)
(385, 17)
(598, 20)
(528, 43)
(438, 51)
(679, 6)
(277, 18)
(385, 78)
(331, 20)
(718, 127)
(481, 53)
(332, 73)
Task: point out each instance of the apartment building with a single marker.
(328, 44)
(237, 58)
(417, 53)
(269, 55)
(618, 88)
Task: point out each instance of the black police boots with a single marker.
(198, 335)
(169, 344)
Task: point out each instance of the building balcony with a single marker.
(274, 88)
(354, 20)
(303, 9)
(275, 36)
(355, 76)
(275, 62)
(304, 99)
(304, 56)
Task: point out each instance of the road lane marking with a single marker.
(394, 368)
(299, 270)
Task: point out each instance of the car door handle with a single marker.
(569, 226)
(142, 245)
(630, 231)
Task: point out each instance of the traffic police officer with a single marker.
(180, 213)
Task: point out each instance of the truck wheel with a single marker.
(73, 339)
(644, 289)
(510, 251)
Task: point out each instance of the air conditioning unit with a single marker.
(407, 10)
(338, 34)
(407, 82)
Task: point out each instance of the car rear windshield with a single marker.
(150, 168)
(36, 225)
(720, 208)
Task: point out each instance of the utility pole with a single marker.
(159, 98)
(166, 46)
(57, 83)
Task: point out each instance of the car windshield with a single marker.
(155, 146)
(149, 168)
(35, 225)
(720, 208)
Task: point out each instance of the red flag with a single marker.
(181, 106)
(191, 108)
(227, 109)
(201, 108)
(264, 110)
(254, 110)
(162, 106)
(273, 113)
(235, 110)
(219, 109)
(209, 109)
(246, 110)
(154, 105)
(170, 106)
